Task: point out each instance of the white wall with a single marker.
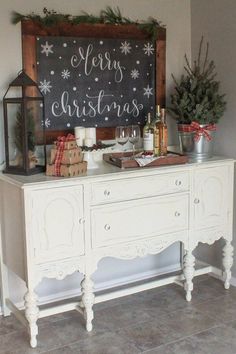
(215, 20)
(175, 14)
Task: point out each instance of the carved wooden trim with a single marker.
(138, 248)
(228, 253)
(32, 314)
(31, 29)
(208, 236)
(60, 269)
(88, 301)
(189, 262)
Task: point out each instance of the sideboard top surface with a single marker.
(107, 171)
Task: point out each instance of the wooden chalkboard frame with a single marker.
(31, 29)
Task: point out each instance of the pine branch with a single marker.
(109, 15)
(196, 95)
(199, 53)
(16, 17)
(188, 68)
(210, 69)
(206, 57)
(18, 130)
(113, 16)
(85, 18)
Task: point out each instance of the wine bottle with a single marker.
(163, 134)
(148, 135)
(156, 124)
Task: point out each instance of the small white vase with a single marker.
(88, 156)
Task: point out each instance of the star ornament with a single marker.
(148, 91)
(47, 48)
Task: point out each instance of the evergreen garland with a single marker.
(107, 16)
(197, 96)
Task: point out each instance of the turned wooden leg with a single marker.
(32, 314)
(228, 252)
(188, 270)
(88, 301)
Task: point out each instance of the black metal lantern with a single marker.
(24, 127)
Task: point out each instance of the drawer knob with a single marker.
(107, 227)
(107, 192)
(81, 220)
(177, 214)
(196, 201)
(178, 182)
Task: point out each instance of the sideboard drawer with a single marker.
(140, 219)
(133, 188)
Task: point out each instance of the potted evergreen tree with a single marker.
(197, 105)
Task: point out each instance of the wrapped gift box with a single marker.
(76, 169)
(69, 156)
(68, 145)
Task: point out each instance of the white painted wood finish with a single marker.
(148, 217)
(57, 223)
(138, 187)
(69, 225)
(211, 196)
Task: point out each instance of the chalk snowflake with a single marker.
(148, 91)
(47, 122)
(45, 86)
(47, 48)
(65, 74)
(148, 49)
(134, 74)
(125, 47)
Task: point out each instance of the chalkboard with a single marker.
(95, 82)
(31, 30)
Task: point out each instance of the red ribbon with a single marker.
(62, 139)
(199, 131)
(59, 153)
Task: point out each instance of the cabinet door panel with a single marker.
(56, 227)
(211, 196)
(122, 222)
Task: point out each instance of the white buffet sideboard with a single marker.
(52, 227)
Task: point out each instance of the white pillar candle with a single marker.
(90, 133)
(80, 135)
(88, 142)
(79, 142)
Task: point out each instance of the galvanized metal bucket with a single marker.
(196, 150)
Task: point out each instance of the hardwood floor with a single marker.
(158, 321)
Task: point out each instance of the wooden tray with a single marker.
(125, 160)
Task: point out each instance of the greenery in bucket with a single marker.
(196, 97)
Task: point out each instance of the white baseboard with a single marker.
(233, 281)
(2, 165)
(70, 294)
(217, 273)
